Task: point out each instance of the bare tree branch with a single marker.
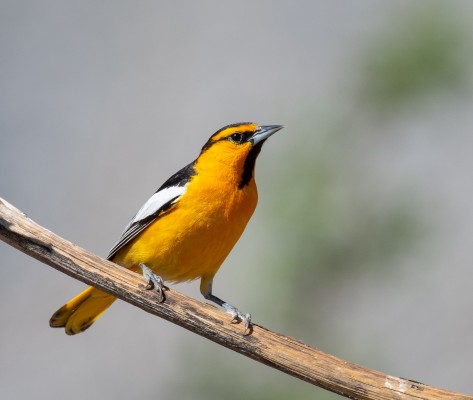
(281, 352)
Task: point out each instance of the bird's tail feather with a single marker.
(82, 311)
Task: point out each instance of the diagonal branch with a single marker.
(278, 351)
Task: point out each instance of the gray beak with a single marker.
(263, 132)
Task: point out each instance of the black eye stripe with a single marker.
(240, 137)
(236, 137)
(246, 136)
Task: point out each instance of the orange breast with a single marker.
(196, 235)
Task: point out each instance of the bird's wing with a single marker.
(162, 200)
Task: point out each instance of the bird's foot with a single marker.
(238, 316)
(154, 282)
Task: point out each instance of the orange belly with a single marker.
(192, 239)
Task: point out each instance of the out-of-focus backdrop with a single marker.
(362, 241)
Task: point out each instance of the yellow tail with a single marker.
(82, 311)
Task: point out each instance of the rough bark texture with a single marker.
(278, 351)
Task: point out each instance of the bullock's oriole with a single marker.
(187, 228)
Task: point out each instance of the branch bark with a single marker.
(278, 351)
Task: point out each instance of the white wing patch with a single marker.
(157, 200)
(165, 197)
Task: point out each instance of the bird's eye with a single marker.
(236, 137)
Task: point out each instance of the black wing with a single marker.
(162, 200)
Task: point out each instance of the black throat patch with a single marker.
(249, 166)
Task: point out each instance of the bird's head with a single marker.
(236, 148)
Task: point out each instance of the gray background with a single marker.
(361, 244)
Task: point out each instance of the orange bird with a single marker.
(188, 226)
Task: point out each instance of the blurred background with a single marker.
(362, 242)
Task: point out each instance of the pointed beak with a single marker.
(263, 132)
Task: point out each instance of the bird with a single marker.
(188, 227)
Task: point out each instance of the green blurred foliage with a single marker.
(339, 229)
(326, 226)
(426, 52)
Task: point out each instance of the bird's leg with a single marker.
(154, 282)
(237, 316)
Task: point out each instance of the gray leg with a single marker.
(206, 290)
